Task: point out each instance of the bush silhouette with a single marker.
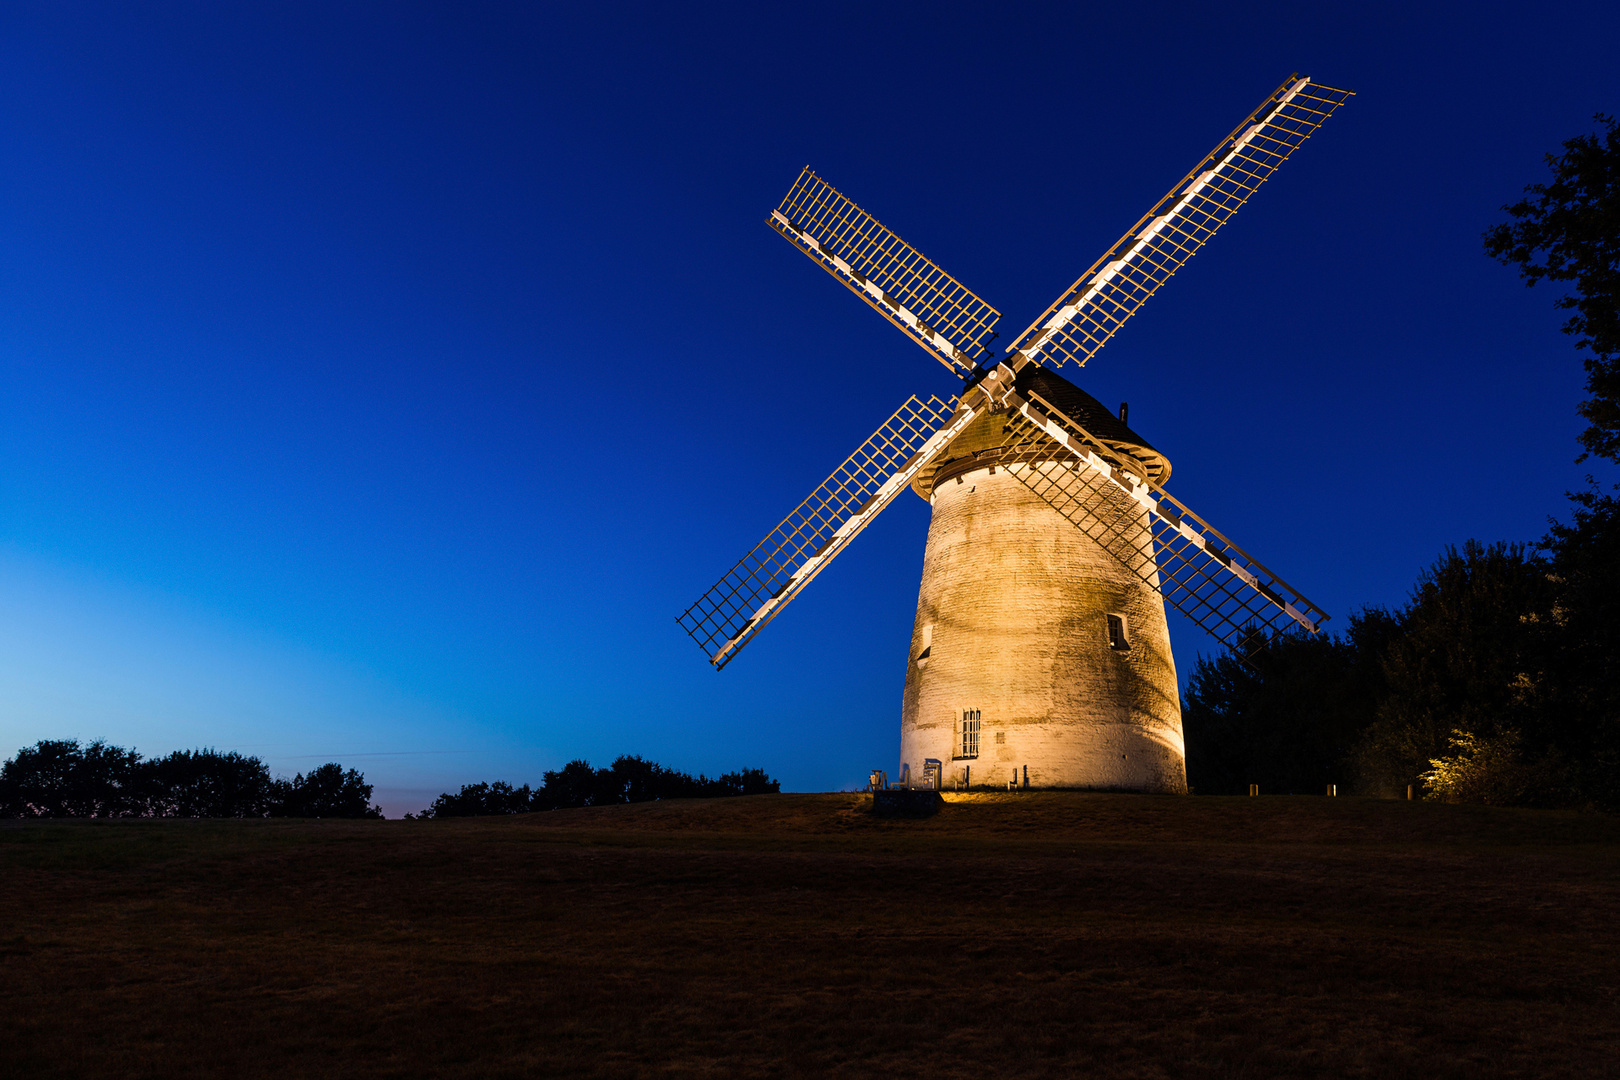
(629, 779)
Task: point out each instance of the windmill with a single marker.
(1040, 655)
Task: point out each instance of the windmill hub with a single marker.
(984, 442)
(1040, 654)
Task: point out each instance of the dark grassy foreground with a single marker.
(1036, 935)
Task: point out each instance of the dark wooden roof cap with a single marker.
(980, 444)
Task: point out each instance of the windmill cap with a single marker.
(981, 443)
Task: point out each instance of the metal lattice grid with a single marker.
(1242, 613)
(1210, 580)
(751, 593)
(1093, 504)
(901, 283)
(1082, 320)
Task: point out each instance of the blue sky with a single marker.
(377, 382)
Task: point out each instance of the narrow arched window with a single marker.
(1117, 639)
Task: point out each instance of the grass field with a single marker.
(1041, 934)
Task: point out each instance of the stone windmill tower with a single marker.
(1040, 654)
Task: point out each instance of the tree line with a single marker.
(629, 779)
(1499, 680)
(62, 779)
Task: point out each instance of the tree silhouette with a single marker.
(630, 779)
(1582, 689)
(1471, 656)
(326, 792)
(1569, 230)
(59, 778)
(747, 782)
(207, 783)
(1287, 719)
(482, 800)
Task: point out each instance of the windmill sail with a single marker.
(898, 281)
(1202, 574)
(1098, 486)
(755, 591)
(1082, 320)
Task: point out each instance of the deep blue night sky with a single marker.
(377, 382)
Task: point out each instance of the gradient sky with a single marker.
(377, 382)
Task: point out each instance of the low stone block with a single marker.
(901, 802)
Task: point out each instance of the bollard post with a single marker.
(1408, 792)
(1254, 789)
(1333, 789)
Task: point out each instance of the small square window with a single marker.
(1117, 640)
(970, 734)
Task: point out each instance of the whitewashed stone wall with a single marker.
(1012, 621)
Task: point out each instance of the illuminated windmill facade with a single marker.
(1036, 651)
(1040, 653)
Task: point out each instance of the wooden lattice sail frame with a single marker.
(1205, 576)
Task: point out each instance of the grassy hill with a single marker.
(1040, 934)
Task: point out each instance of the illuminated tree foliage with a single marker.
(1480, 769)
(1498, 682)
(1472, 655)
